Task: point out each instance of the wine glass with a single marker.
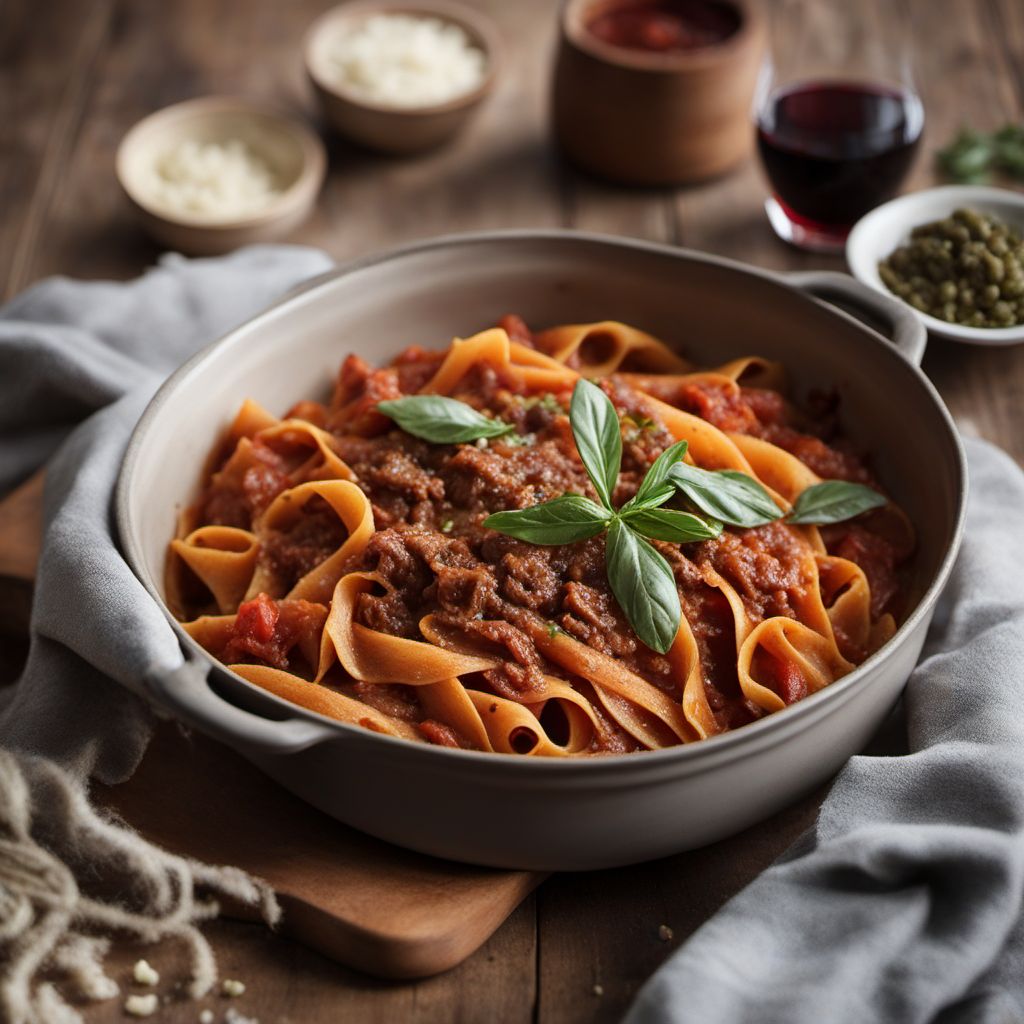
(838, 118)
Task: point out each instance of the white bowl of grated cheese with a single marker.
(209, 175)
(401, 78)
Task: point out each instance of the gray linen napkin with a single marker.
(905, 903)
(73, 352)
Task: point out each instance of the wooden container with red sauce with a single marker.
(657, 92)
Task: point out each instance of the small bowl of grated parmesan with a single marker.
(397, 78)
(209, 175)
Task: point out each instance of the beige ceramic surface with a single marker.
(392, 129)
(294, 154)
(655, 118)
(545, 813)
(879, 232)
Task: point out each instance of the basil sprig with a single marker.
(598, 436)
(726, 494)
(644, 585)
(739, 500)
(833, 501)
(668, 524)
(655, 488)
(442, 420)
(561, 521)
(641, 580)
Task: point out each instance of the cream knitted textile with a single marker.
(55, 851)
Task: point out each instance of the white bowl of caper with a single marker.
(955, 255)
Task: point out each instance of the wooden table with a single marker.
(75, 74)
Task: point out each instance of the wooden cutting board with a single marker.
(365, 903)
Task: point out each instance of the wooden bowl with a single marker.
(391, 129)
(646, 118)
(293, 153)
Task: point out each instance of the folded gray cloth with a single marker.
(69, 352)
(905, 902)
(73, 351)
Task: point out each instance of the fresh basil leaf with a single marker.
(657, 497)
(726, 494)
(668, 524)
(832, 501)
(644, 586)
(968, 158)
(560, 521)
(441, 420)
(658, 473)
(598, 436)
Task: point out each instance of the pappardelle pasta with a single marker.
(342, 562)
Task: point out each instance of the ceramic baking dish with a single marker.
(541, 813)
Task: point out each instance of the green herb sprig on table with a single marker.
(641, 580)
(972, 157)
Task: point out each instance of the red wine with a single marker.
(834, 150)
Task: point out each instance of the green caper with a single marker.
(989, 296)
(994, 266)
(967, 268)
(1002, 314)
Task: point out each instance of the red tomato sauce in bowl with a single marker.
(664, 26)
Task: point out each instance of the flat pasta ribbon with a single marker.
(376, 657)
(815, 658)
(324, 701)
(527, 368)
(309, 448)
(606, 347)
(223, 558)
(353, 510)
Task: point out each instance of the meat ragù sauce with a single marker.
(501, 596)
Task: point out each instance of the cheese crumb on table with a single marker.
(231, 987)
(206, 1017)
(221, 180)
(234, 1017)
(402, 60)
(141, 1006)
(144, 973)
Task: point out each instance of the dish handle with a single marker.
(899, 323)
(187, 693)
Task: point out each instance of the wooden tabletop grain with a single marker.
(76, 74)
